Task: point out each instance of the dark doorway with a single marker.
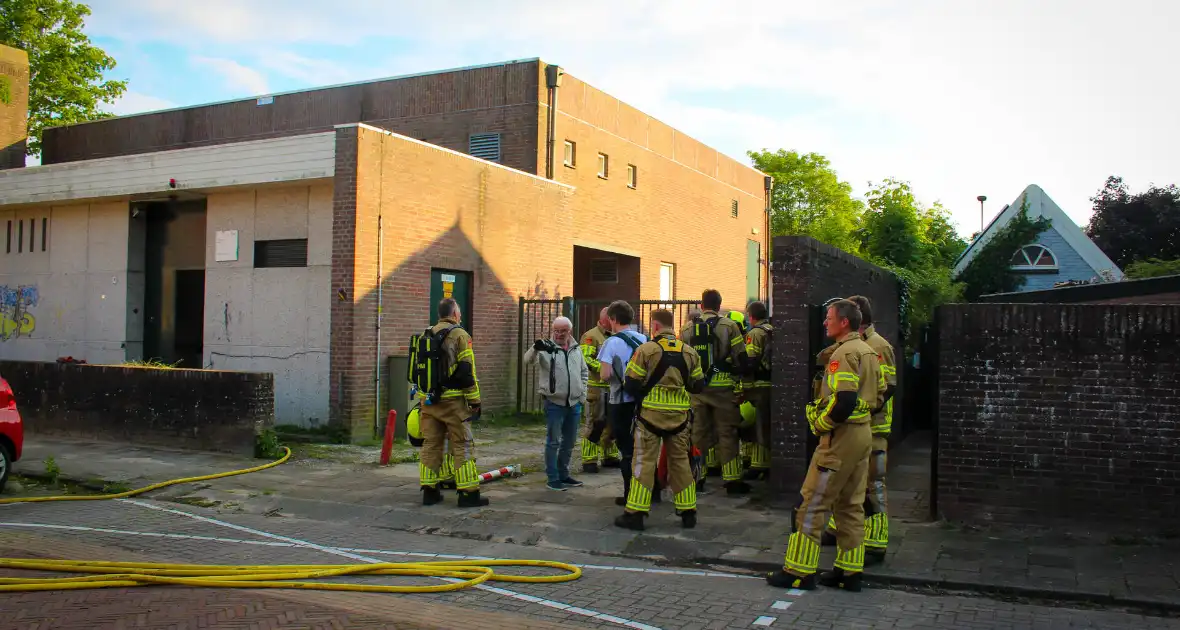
(174, 282)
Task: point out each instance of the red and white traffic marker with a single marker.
(509, 471)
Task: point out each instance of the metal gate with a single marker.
(536, 316)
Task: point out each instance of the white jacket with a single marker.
(562, 376)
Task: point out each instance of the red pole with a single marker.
(387, 444)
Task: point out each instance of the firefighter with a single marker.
(839, 467)
(756, 386)
(661, 375)
(448, 411)
(747, 432)
(716, 419)
(597, 439)
(876, 501)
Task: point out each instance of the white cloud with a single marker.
(961, 98)
(234, 74)
(135, 103)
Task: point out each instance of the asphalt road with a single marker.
(613, 592)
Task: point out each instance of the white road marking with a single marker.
(337, 552)
(764, 620)
(387, 552)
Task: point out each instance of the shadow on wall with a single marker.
(409, 306)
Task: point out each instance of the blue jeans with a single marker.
(562, 424)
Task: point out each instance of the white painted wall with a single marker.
(273, 320)
(79, 283)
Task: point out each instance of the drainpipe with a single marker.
(768, 185)
(380, 304)
(552, 82)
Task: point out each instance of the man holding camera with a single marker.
(562, 378)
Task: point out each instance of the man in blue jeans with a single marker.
(562, 381)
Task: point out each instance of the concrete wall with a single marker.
(199, 409)
(273, 319)
(1060, 415)
(71, 299)
(14, 106)
(682, 201)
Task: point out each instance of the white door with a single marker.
(667, 282)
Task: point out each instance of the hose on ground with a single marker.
(128, 574)
(154, 486)
(106, 574)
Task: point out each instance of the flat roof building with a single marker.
(251, 234)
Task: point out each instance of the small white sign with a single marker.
(226, 247)
(446, 277)
(265, 100)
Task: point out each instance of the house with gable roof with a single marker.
(1061, 253)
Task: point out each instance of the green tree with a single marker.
(1130, 228)
(809, 199)
(990, 270)
(66, 71)
(919, 245)
(1152, 268)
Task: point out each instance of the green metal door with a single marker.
(445, 283)
(753, 251)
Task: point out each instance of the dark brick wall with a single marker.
(198, 409)
(1059, 415)
(806, 273)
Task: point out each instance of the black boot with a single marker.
(837, 578)
(735, 488)
(590, 467)
(755, 474)
(827, 539)
(688, 519)
(874, 556)
(471, 499)
(701, 485)
(447, 485)
(630, 520)
(782, 579)
(714, 471)
(431, 495)
(746, 462)
(622, 501)
(655, 494)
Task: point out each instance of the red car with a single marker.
(12, 431)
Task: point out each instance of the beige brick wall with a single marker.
(680, 210)
(512, 230)
(14, 106)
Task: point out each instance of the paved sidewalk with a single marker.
(731, 531)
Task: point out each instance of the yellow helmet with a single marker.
(738, 317)
(414, 426)
(749, 414)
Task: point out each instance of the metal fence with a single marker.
(536, 316)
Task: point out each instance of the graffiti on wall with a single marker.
(15, 318)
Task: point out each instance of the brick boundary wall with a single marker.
(805, 273)
(1062, 415)
(198, 409)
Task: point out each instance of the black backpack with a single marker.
(428, 365)
(704, 340)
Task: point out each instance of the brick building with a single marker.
(250, 235)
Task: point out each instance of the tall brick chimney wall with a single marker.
(14, 106)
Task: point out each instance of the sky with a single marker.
(958, 97)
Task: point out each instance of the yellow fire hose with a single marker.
(127, 574)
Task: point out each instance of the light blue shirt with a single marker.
(616, 353)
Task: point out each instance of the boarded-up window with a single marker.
(485, 146)
(281, 253)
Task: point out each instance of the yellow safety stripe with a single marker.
(634, 367)
(851, 560)
(802, 555)
(447, 472)
(732, 470)
(760, 458)
(468, 476)
(686, 499)
(590, 353)
(842, 377)
(639, 497)
(711, 458)
(861, 411)
(662, 398)
(426, 476)
(735, 341)
(877, 531)
(720, 379)
(697, 373)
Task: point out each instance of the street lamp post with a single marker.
(981, 199)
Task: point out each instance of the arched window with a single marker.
(1034, 258)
